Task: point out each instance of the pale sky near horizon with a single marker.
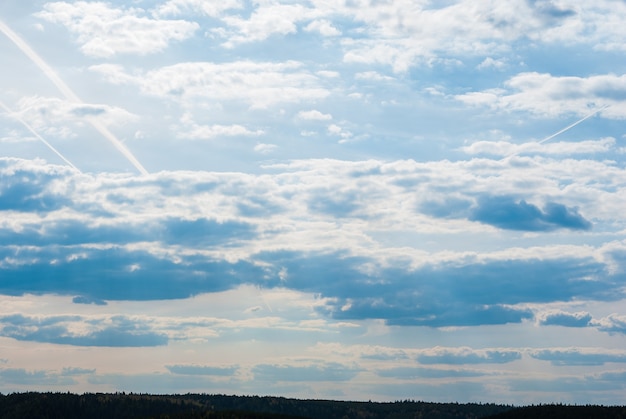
(350, 199)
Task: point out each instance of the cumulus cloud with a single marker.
(613, 323)
(206, 232)
(509, 213)
(465, 355)
(504, 148)
(412, 373)
(548, 96)
(104, 31)
(58, 117)
(181, 7)
(117, 331)
(263, 148)
(314, 115)
(23, 377)
(315, 372)
(203, 132)
(260, 84)
(201, 370)
(563, 318)
(266, 20)
(578, 356)
(324, 27)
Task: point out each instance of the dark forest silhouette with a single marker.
(202, 406)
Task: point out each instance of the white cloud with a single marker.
(314, 115)
(59, 117)
(549, 96)
(505, 148)
(324, 27)
(490, 62)
(260, 84)
(209, 8)
(205, 132)
(104, 31)
(265, 148)
(268, 19)
(372, 75)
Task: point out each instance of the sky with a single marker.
(346, 199)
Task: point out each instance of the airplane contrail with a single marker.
(573, 125)
(548, 138)
(69, 94)
(36, 134)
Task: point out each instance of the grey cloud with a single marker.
(584, 386)
(411, 373)
(443, 294)
(122, 332)
(77, 371)
(433, 295)
(27, 189)
(80, 299)
(197, 232)
(446, 208)
(562, 318)
(574, 356)
(334, 203)
(204, 232)
(459, 357)
(87, 110)
(549, 10)
(201, 370)
(612, 324)
(323, 372)
(508, 213)
(19, 376)
(120, 274)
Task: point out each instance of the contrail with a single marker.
(574, 124)
(69, 94)
(28, 127)
(548, 138)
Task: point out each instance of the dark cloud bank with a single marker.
(96, 258)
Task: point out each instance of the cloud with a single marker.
(562, 318)
(314, 115)
(549, 96)
(79, 235)
(503, 148)
(266, 20)
(260, 84)
(315, 372)
(33, 378)
(201, 370)
(62, 118)
(205, 132)
(324, 27)
(181, 7)
(412, 373)
(465, 355)
(104, 31)
(67, 371)
(263, 148)
(613, 323)
(508, 213)
(88, 300)
(25, 188)
(117, 331)
(578, 356)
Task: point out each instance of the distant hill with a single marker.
(203, 406)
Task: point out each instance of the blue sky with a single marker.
(319, 199)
